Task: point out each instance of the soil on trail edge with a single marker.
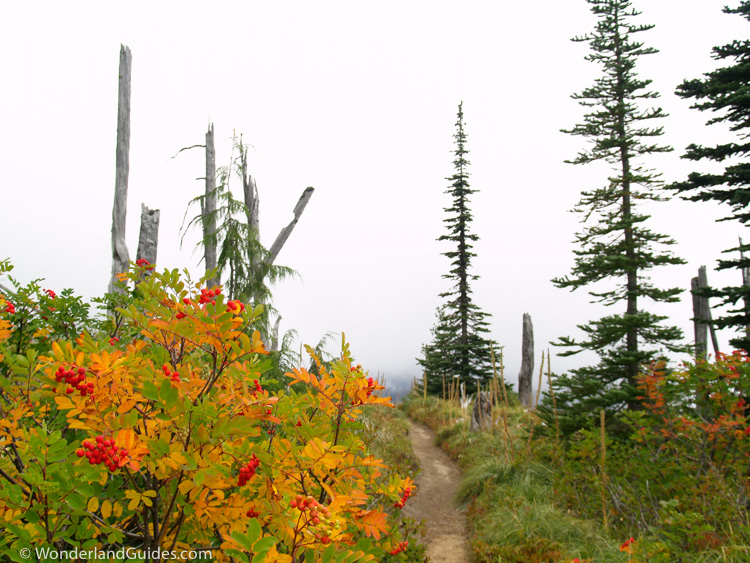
(433, 501)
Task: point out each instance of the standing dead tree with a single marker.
(525, 376)
(702, 321)
(120, 256)
(208, 210)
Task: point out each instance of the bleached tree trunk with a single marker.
(252, 201)
(208, 209)
(286, 231)
(700, 329)
(275, 338)
(148, 239)
(120, 256)
(702, 320)
(525, 376)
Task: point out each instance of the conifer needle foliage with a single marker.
(616, 250)
(459, 348)
(724, 92)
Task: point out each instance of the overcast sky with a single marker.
(358, 100)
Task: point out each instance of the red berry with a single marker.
(180, 315)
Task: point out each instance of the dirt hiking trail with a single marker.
(433, 502)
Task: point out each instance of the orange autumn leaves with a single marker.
(187, 438)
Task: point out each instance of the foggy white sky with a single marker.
(359, 101)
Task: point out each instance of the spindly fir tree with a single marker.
(726, 91)
(459, 348)
(616, 247)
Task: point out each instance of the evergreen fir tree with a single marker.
(616, 248)
(241, 257)
(726, 91)
(459, 348)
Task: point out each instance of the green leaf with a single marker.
(76, 501)
(264, 544)
(85, 489)
(253, 530)
(236, 554)
(149, 391)
(328, 554)
(243, 540)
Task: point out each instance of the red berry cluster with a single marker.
(143, 263)
(258, 389)
(113, 340)
(10, 308)
(102, 451)
(207, 295)
(248, 470)
(51, 293)
(370, 386)
(76, 379)
(252, 513)
(315, 511)
(400, 547)
(404, 498)
(172, 375)
(236, 306)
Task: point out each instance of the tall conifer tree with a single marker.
(459, 348)
(725, 92)
(616, 247)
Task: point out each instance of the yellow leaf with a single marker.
(64, 403)
(126, 406)
(133, 504)
(57, 352)
(79, 359)
(117, 510)
(149, 493)
(106, 509)
(93, 504)
(185, 486)
(75, 423)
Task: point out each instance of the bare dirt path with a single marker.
(437, 484)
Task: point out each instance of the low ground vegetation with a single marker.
(674, 488)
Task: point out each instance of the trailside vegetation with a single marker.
(175, 436)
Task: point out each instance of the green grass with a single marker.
(509, 498)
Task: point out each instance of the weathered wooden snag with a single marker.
(525, 375)
(120, 256)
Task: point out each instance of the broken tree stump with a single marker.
(148, 239)
(481, 414)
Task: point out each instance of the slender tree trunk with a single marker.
(120, 255)
(631, 337)
(209, 209)
(148, 239)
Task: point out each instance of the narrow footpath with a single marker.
(437, 484)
